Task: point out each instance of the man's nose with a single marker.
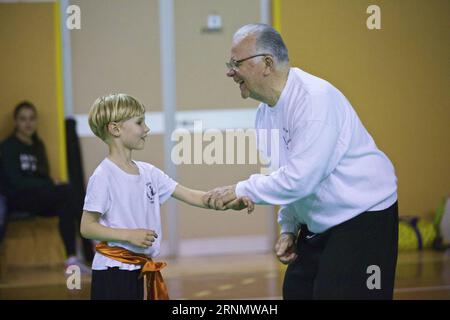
(230, 72)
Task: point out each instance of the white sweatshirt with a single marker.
(330, 169)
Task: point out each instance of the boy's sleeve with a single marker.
(97, 196)
(166, 185)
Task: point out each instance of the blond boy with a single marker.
(122, 205)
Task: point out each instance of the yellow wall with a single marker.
(200, 57)
(397, 79)
(116, 50)
(28, 72)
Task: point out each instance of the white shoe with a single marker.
(73, 260)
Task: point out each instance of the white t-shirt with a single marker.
(330, 169)
(128, 201)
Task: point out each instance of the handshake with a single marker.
(224, 198)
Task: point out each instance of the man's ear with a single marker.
(268, 60)
(114, 129)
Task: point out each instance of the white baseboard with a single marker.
(220, 246)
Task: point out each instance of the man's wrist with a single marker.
(239, 190)
(287, 233)
(288, 228)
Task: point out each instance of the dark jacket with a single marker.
(24, 166)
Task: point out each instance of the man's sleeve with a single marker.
(287, 221)
(311, 159)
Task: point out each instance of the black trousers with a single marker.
(116, 284)
(354, 260)
(55, 200)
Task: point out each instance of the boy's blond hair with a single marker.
(112, 108)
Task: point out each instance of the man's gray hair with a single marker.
(268, 40)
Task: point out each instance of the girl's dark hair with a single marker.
(27, 105)
(24, 105)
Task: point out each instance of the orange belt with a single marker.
(154, 286)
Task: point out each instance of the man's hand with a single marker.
(218, 198)
(285, 248)
(241, 203)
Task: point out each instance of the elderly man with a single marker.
(336, 190)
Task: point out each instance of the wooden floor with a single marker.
(420, 275)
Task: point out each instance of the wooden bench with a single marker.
(32, 242)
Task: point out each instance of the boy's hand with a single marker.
(141, 237)
(241, 203)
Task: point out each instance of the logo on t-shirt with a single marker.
(150, 192)
(286, 137)
(28, 162)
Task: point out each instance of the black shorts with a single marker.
(116, 284)
(354, 260)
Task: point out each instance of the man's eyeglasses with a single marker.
(234, 64)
